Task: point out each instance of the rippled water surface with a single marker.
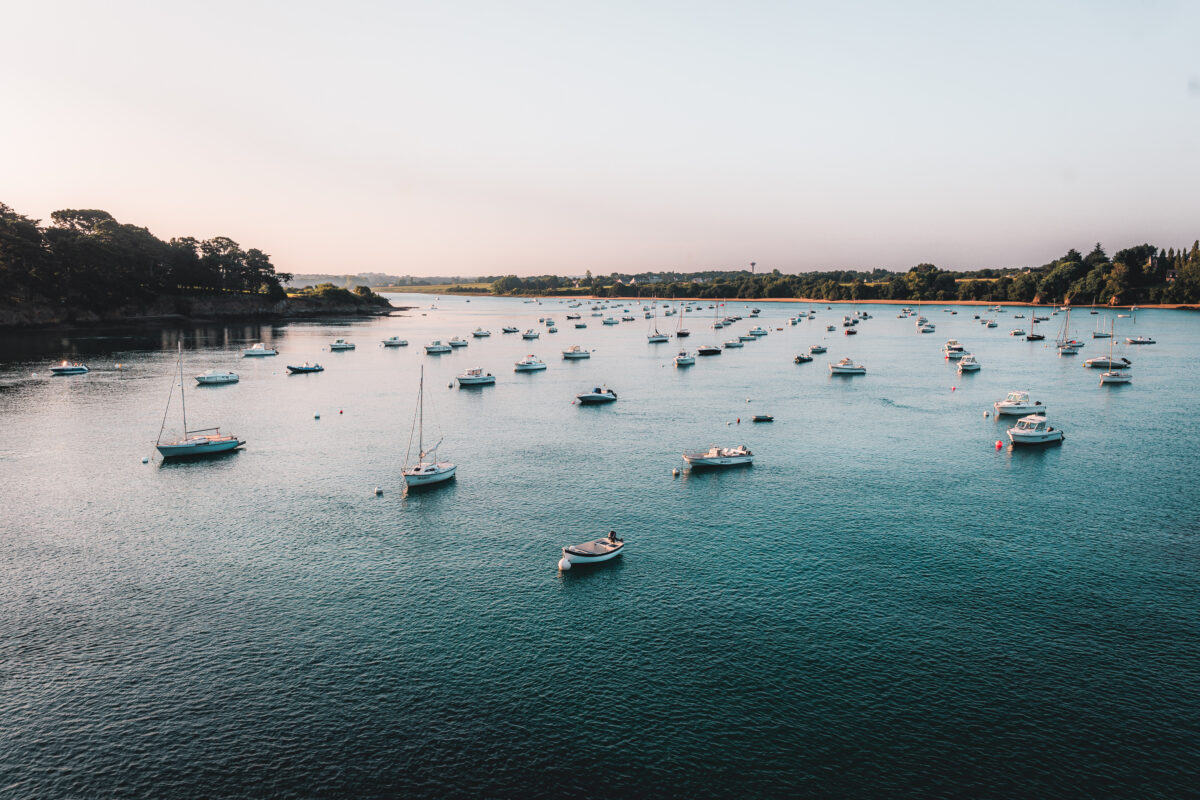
(884, 603)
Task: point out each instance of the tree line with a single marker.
(86, 259)
(1141, 274)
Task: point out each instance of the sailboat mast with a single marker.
(421, 416)
(182, 398)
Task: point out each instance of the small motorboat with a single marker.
(1139, 340)
(734, 343)
(480, 333)
(575, 351)
(580, 324)
(816, 349)
(991, 323)
(967, 363)
(608, 321)
(592, 552)
(552, 329)
(529, 363)
(214, 377)
(395, 341)
(476, 377)
(305, 367)
(457, 342)
(1033, 430)
(67, 368)
(259, 349)
(1017, 332)
(851, 332)
(684, 359)
(569, 316)
(708, 350)
(1017, 403)
(830, 328)
(341, 344)
(627, 318)
(511, 329)
(847, 367)
(719, 457)
(802, 358)
(597, 396)
(436, 347)
(926, 328)
(758, 330)
(745, 337)
(763, 418)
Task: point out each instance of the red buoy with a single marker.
(998, 444)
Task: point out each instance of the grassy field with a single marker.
(440, 288)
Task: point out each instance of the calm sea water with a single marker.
(883, 604)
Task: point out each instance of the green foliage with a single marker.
(86, 259)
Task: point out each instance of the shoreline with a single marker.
(811, 301)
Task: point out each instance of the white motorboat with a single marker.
(552, 329)
(745, 337)
(847, 367)
(259, 349)
(480, 333)
(575, 351)
(67, 368)
(476, 377)
(592, 552)
(341, 344)
(1139, 340)
(991, 323)
(734, 343)
(608, 321)
(511, 329)
(720, 457)
(199, 442)
(967, 363)
(569, 316)
(216, 376)
(684, 359)
(1034, 430)
(597, 396)
(457, 342)
(436, 347)
(425, 473)
(803, 358)
(530, 334)
(627, 318)
(816, 349)
(830, 328)
(1116, 376)
(1017, 332)
(395, 341)
(952, 346)
(928, 327)
(1017, 403)
(758, 330)
(708, 350)
(529, 363)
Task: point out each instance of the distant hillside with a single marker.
(374, 279)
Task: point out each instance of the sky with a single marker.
(485, 138)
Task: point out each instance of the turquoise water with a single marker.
(883, 604)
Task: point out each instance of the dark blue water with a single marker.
(883, 604)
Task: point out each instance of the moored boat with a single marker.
(341, 344)
(597, 396)
(259, 349)
(476, 377)
(684, 359)
(708, 350)
(1018, 403)
(529, 363)
(305, 367)
(425, 473)
(395, 341)
(847, 367)
(1032, 430)
(215, 377)
(67, 368)
(198, 442)
(575, 352)
(592, 552)
(436, 347)
(719, 457)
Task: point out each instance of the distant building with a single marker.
(1172, 275)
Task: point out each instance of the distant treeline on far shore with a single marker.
(1141, 274)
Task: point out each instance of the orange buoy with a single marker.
(954, 388)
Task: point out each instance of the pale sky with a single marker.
(531, 137)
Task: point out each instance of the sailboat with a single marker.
(680, 331)
(1114, 375)
(425, 473)
(655, 336)
(200, 442)
(1066, 345)
(1033, 335)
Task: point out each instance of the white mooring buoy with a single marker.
(563, 563)
(378, 491)
(145, 460)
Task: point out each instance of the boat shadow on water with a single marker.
(196, 460)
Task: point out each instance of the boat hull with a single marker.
(215, 380)
(836, 370)
(69, 370)
(573, 556)
(1027, 439)
(304, 370)
(197, 448)
(593, 399)
(1017, 410)
(418, 481)
(718, 461)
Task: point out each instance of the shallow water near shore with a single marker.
(884, 603)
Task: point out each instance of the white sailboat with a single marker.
(1114, 375)
(1066, 345)
(425, 473)
(199, 442)
(655, 336)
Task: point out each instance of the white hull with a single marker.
(200, 446)
(834, 369)
(440, 474)
(590, 553)
(211, 380)
(1116, 377)
(1045, 437)
(529, 367)
(721, 461)
(486, 380)
(1009, 409)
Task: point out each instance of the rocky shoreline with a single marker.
(189, 309)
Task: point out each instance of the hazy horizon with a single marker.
(530, 138)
